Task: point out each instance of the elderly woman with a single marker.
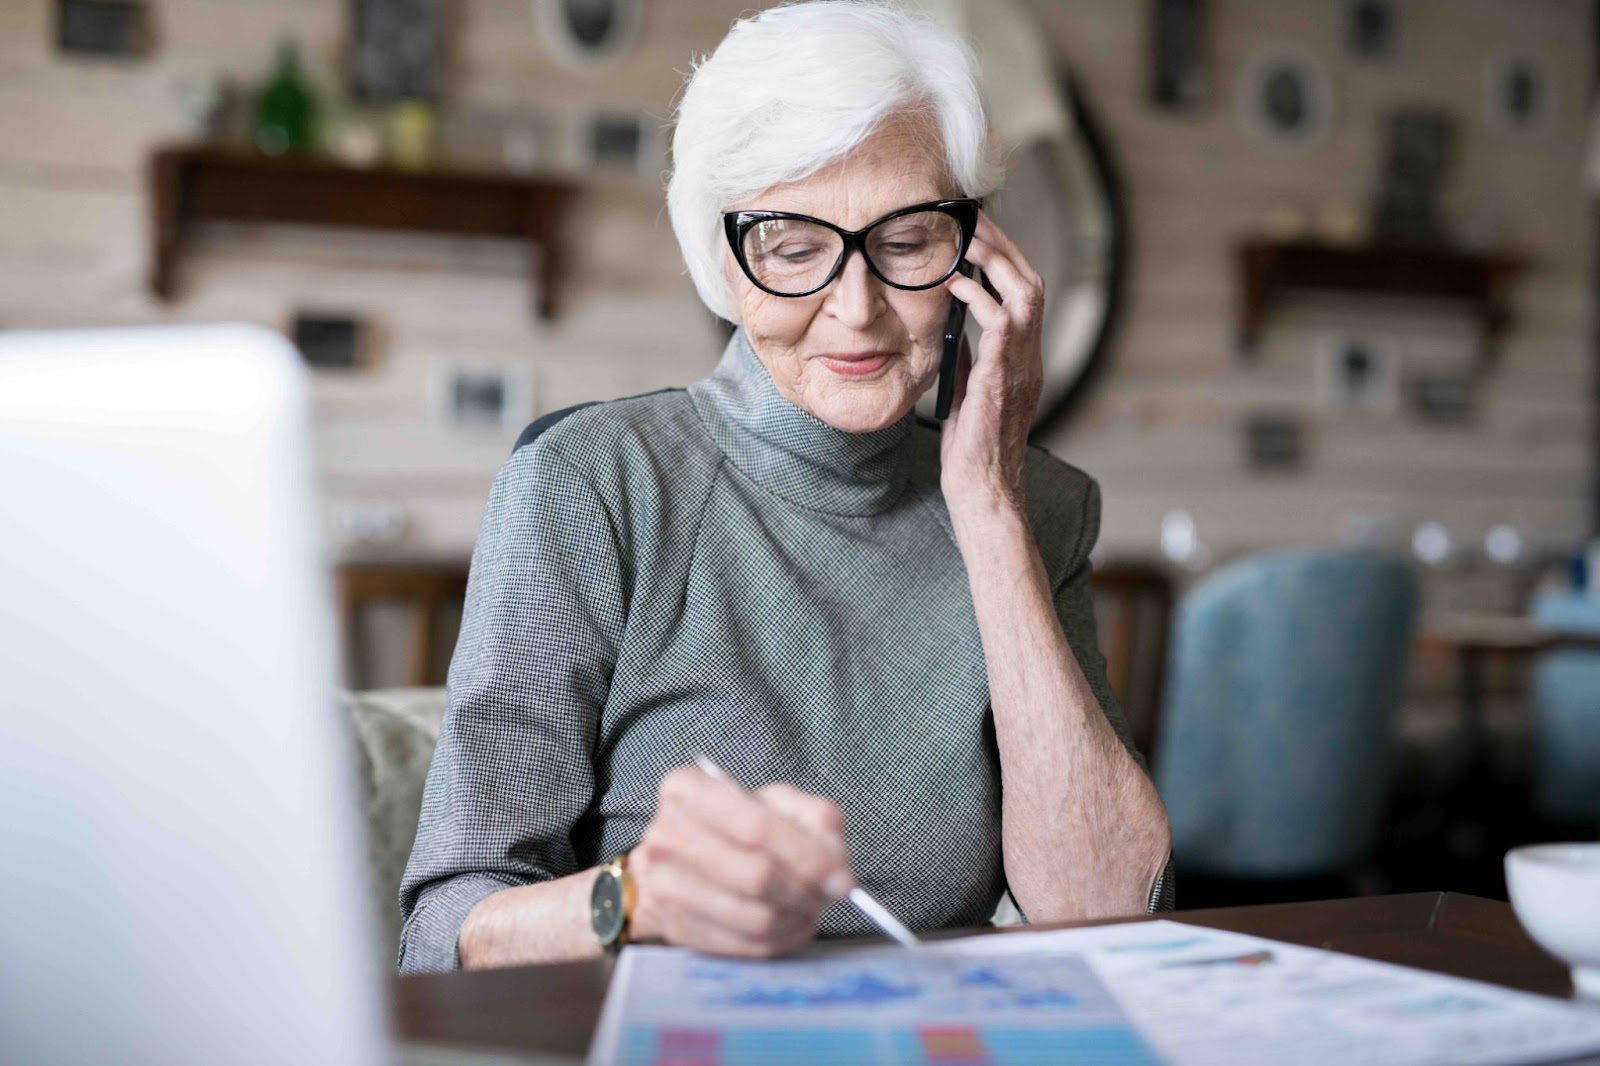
(880, 627)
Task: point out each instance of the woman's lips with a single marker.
(857, 366)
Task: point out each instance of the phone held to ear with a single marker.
(954, 327)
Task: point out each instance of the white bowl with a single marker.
(1555, 890)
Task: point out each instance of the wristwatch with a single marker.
(611, 904)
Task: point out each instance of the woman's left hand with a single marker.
(985, 440)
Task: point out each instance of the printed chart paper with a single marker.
(1139, 992)
(672, 1008)
(1205, 996)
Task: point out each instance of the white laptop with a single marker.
(181, 872)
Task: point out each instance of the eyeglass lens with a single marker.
(790, 256)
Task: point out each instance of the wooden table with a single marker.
(1473, 639)
(553, 1009)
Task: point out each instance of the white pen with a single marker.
(864, 901)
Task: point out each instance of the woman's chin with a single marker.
(865, 413)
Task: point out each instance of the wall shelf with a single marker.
(192, 184)
(1269, 269)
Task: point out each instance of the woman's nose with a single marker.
(856, 296)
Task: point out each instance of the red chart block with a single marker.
(688, 1047)
(953, 1045)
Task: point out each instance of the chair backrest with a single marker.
(1133, 609)
(1278, 733)
(426, 588)
(1566, 715)
(395, 732)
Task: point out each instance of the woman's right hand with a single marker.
(731, 872)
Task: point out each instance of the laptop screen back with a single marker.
(181, 865)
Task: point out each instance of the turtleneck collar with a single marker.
(791, 452)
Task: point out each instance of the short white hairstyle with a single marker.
(796, 88)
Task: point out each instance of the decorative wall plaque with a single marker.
(397, 48)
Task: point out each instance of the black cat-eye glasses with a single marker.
(916, 247)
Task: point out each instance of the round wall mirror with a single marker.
(1062, 204)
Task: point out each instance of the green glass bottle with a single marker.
(286, 111)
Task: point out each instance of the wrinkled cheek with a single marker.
(927, 318)
(925, 359)
(778, 322)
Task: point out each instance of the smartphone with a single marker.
(954, 327)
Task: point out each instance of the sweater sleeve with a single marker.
(513, 770)
(1074, 604)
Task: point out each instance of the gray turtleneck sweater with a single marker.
(716, 570)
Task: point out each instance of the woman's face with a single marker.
(798, 338)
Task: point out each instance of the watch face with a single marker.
(605, 907)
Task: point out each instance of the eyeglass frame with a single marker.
(735, 224)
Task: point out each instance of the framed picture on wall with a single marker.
(1285, 100)
(472, 395)
(330, 341)
(1371, 28)
(1357, 373)
(395, 51)
(1274, 442)
(1519, 93)
(617, 141)
(1177, 64)
(118, 28)
(1443, 399)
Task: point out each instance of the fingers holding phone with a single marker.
(984, 444)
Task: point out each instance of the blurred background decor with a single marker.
(1357, 373)
(329, 341)
(1520, 94)
(1419, 155)
(627, 142)
(1285, 99)
(497, 397)
(397, 50)
(286, 112)
(1179, 80)
(1372, 29)
(1442, 399)
(103, 27)
(586, 34)
(1275, 443)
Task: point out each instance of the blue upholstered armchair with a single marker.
(1278, 727)
(1566, 715)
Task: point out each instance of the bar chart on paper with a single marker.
(879, 1007)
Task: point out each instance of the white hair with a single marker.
(796, 88)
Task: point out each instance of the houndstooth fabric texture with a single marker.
(715, 570)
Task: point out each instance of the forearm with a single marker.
(1084, 833)
(544, 922)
